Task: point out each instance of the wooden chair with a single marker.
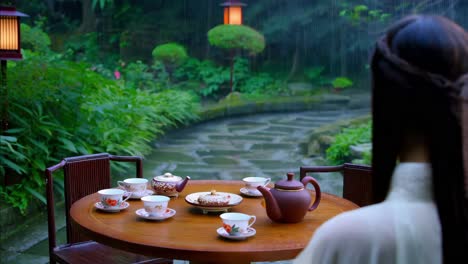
(84, 175)
(357, 180)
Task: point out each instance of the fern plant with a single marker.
(339, 152)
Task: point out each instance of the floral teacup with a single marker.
(237, 223)
(155, 205)
(111, 198)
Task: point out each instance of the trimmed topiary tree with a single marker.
(171, 55)
(233, 37)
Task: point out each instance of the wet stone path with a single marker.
(268, 145)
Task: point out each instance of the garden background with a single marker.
(115, 75)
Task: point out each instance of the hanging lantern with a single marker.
(10, 47)
(233, 12)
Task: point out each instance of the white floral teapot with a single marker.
(168, 184)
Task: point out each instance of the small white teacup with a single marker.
(134, 185)
(251, 183)
(155, 205)
(111, 198)
(237, 223)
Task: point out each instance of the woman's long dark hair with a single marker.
(415, 68)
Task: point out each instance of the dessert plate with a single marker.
(138, 195)
(143, 214)
(233, 201)
(123, 205)
(250, 232)
(250, 192)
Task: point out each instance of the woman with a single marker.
(420, 138)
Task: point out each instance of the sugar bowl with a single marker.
(169, 184)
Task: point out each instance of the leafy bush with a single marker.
(314, 75)
(339, 151)
(35, 39)
(84, 47)
(170, 54)
(261, 84)
(60, 108)
(341, 82)
(236, 37)
(213, 80)
(361, 13)
(139, 75)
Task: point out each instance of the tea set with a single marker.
(287, 202)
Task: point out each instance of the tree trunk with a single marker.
(88, 17)
(295, 60)
(232, 69)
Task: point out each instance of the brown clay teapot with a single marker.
(289, 201)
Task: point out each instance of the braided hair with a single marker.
(420, 90)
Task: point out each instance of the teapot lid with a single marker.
(168, 177)
(289, 184)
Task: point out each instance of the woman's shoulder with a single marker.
(356, 225)
(353, 237)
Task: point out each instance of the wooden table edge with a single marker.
(200, 255)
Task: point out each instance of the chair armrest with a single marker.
(50, 203)
(306, 169)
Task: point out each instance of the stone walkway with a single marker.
(267, 145)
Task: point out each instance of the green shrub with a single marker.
(341, 82)
(213, 80)
(172, 54)
(314, 75)
(236, 37)
(59, 108)
(35, 39)
(339, 151)
(138, 75)
(85, 47)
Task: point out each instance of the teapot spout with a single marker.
(181, 185)
(272, 208)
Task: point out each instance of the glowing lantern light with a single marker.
(233, 12)
(10, 47)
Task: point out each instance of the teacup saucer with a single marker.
(250, 232)
(138, 195)
(123, 205)
(143, 214)
(250, 192)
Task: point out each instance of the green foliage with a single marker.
(361, 13)
(314, 72)
(170, 54)
(236, 37)
(34, 38)
(59, 108)
(341, 82)
(83, 47)
(262, 84)
(213, 80)
(339, 151)
(211, 77)
(139, 75)
(102, 3)
(314, 75)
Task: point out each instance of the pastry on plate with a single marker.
(214, 199)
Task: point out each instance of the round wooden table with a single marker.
(191, 235)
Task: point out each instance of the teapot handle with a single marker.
(318, 193)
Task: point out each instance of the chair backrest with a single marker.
(357, 180)
(83, 175)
